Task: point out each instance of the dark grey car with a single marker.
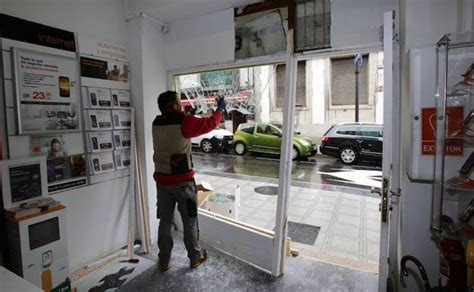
(354, 142)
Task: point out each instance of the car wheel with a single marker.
(294, 153)
(206, 146)
(240, 148)
(348, 155)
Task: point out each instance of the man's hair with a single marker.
(166, 100)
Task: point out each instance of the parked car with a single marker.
(216, 140)
(266, 138)
(353, 142)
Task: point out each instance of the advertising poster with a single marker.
(122, 158)
(102, 69)
(122, 139)
(100, 119)
(65, 170)
(46, 91)
(102, 49)
(102, 162)
(99, 97)
(121, 98)
(100, 141)
(122, 119)
(454, 144)
(25, 182)
(35, 33)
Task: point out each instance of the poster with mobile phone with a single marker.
(100, 141)
(121, 99)
(122, 158)
(122, 119)
(47, 92)
(122, 139)
(102, 162)
(99, 120)
(99, 97)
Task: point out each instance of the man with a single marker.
(174, 175)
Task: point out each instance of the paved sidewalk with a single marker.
(350, 222)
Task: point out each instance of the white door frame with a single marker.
(286, 162)
(261, 248)
(390, 189)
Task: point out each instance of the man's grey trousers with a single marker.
(185, 195)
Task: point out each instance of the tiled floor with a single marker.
(222, 272)
(350, 223)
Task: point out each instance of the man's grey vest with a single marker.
(172, 150)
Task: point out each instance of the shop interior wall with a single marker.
(423, 23)
(150, 79)
(202, 40)
(100, 20)
(97, 217)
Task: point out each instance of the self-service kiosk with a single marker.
(36, 225)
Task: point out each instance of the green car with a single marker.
(266, 138)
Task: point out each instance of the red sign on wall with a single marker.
(454, 140)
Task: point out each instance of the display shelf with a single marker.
(453, 192)
(468, 141)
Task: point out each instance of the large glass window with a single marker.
(241, 160)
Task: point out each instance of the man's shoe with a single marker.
(164, 267)
(201, 258)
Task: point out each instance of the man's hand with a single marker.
(221, 104)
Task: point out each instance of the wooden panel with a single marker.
(238, 239)
(260, 7)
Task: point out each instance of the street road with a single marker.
(319, 169)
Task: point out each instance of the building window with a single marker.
(343, 81)
(300, 85)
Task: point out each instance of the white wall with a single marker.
(154, 83)
(356, 23)
(97, 215)
(150, 79)
(423, 23)
(201, 41)
(97, 220)
(102, 20)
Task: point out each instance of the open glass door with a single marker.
(237, 164)
(390, 189)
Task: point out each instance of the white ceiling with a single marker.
(170, 10)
